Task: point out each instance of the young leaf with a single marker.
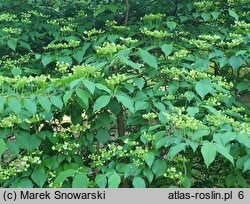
(102, 135)
(204, 87)
(101, 180)
(176, 149)
(149, 159)
(171, 25)
(101, 102)
(208, 152)
(89, 85)
(12, 147)
(159, 167)
(167, 49)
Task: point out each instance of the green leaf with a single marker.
(16, 71)
(30, 105)
(126, 101)
(26, 141)
(15, 105)
(39, 177)
(149, 159)
(114, 180)
(84, 96)
(46, 60)
(206, 16)
(148, 173)
(102, 135)
(80, 181)
(2, 147)
(247, 165)
(148, 58)
(244, 140)
(167, 49)
(67, 96)
(56, 101)
(208, 152)
(1, 103)
(139, 82)
(159, 167)
(215, 14)
(12, 147)
(45, 103)
(204, 87)
(235, 62)
(223, 151)
(62, 176)
(78, 55)
(241, 87)
(101, 102)
(138, 182)
(192, 111)
(66, 59)
(176, 149)
(102, 87)
(89, 85)
(24, 183)
(101, 180)
(233, 14)
(171, 25)
(12, 43)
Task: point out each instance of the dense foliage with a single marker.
(124, 93)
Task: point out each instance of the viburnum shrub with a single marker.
(124, 93)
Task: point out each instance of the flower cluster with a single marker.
(128, 41)
(242, 25)
(70, 44)
(19, 165)
(108, 49)
(203, 5)
(179, 54)
(8, 17)
(183, 121)
(10, 30)
(92, 34)
(174, 175)
(211, 38)
(62, 67)
(153, 17)
(85, 71)
(158, 34)
(115, 79)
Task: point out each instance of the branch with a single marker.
(11, 7)
(127, 12)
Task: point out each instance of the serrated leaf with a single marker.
(114, 180)
(56, 101)
(101, 102)
(138, 182)
(148, 58)
(30, 105)
(80, 181)
(39, 177)
(208, 152)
